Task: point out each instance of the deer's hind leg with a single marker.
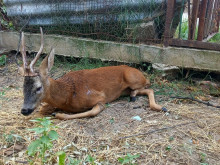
(93, 112)
(150, 93)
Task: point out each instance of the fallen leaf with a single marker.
(195, 142)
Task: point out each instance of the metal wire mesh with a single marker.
(117, 20)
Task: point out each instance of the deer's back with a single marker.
(103, 84)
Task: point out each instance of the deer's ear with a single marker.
(47, 63)
(51, 59)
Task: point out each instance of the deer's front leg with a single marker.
(93, 112)
(47, 109)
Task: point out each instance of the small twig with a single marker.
(156, 130)
(199, 101)
(22, 162)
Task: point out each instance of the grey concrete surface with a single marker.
(112, 51)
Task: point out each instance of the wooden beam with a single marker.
(195, 44)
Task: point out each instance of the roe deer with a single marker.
(83, 92)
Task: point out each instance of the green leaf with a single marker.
(37, 130)
(168, 148)
(53, 135)
(135, 156)
(32, 148)
(45, 123)
(2, 60)
(90, 159)
(128, 158)
(112, 120)
(121, 160)
(45, 139)
(74, 161)
(61, 155)
(36, 120)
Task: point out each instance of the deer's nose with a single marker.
(26, 112)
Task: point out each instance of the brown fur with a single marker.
(79, 91)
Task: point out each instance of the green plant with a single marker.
(11, 138)
(216, 38)
(184, 30)
(74, 161)
(2, 93)
(90, 160)
(2, 60)
(61, 157)
(202, 157)
(44, 143)
(78, 64)
(7, 24)
(128, 159)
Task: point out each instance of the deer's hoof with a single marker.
(53, 114)
(164, 109)
(132, 99)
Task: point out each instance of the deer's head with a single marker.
(35, 82)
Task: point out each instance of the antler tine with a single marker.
(23, 51)
(39, 52)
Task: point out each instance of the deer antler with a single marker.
(23, 52)
(28, 70)
(39, 52)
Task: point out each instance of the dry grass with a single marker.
(100, 137)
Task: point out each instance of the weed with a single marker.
(74, 161)
(202, 157)
(184, 30)
(90, 160)
(168, 148)
(2, 93)
(11, 138)
(3, 60)
(44, 143)
(61, 157)
(216, 38)
(111, 120)
(4, 22)
(128, 159)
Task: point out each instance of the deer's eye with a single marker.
(38, 89)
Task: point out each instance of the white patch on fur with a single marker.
(88, 92)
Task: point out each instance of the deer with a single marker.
(82, 93)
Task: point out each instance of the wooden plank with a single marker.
(195, 44)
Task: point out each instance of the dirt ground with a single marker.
(191, 133)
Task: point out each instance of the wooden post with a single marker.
(194, 14)
(202, 20)
(168, 23)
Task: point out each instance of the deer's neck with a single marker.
(57, 93)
